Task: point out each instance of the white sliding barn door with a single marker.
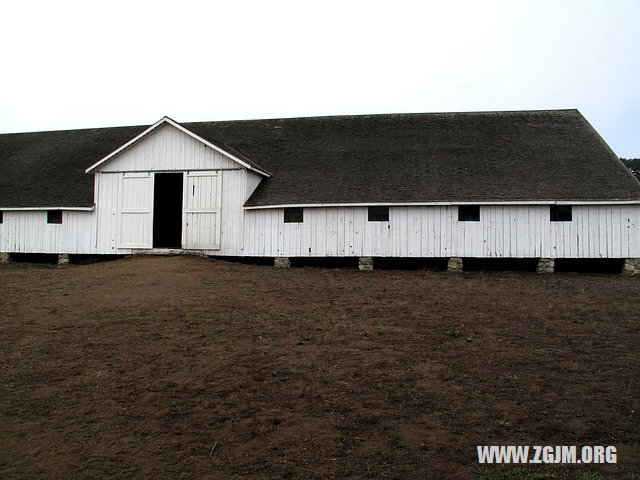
(135, 200)
(201, 210)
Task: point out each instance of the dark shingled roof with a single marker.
(46, 169)
(484, 156)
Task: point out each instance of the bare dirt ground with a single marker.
(136, 368)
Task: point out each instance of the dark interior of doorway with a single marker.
(167, 210)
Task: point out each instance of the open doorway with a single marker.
(167, 210)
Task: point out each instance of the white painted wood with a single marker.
(164, 121)
(168, 149)
(135, 210)
(201, 212)
(504, 231)
(29, 232)
(518, 231)
(107, 212)
(36, 209)
(231, 225)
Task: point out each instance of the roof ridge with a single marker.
(76, 129)
(326, 117)
(397, 114)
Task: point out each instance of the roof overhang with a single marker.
(442, 204)
(24, 209)
(175, 124)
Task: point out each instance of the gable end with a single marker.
(235, 156)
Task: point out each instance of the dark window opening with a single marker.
(469, 213)
(378, 214)
(293, 215)
(54, 216)
(167, 210)
(560, 213)
(1, 216)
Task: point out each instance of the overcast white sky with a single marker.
(89, 64)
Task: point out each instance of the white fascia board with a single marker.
(182, 129)
(126, 145)
(28, 209)
(440, 204)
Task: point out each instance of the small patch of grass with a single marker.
(586, 475)
(529, 473)
(456, 367)
(396, 443)
(491, 473)
(304, 340)
(517, 473)
(454, 333)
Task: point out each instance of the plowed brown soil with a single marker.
(137, 368)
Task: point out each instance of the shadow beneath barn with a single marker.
(42, 258)
(325, 262)
(500, 264)
(589, 265)
(407, 263)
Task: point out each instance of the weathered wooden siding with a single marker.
(167, 149)
(29, 232)
(231, 216)
(605, 231)
(425, 231)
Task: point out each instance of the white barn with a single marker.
(537, 184)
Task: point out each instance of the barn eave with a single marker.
(443, 203)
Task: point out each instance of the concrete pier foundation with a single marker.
(546, 265)
(282, 262)
(455, 265)
(365, 264)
